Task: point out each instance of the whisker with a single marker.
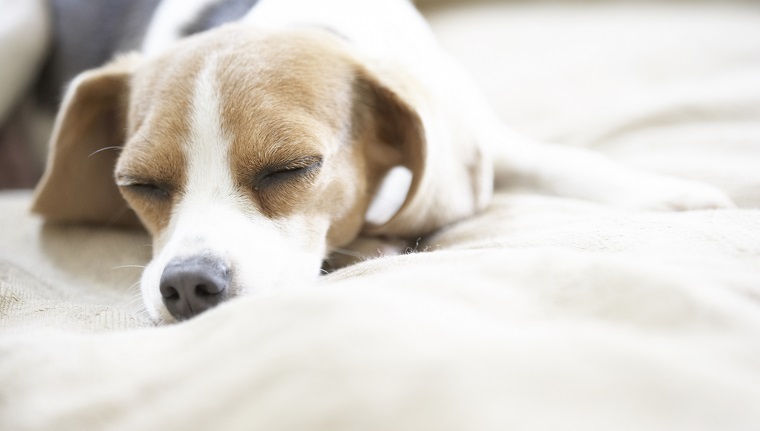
(142, 136)
(415, 249)
(103, 149)
(134, 288)
(135, 305)
(347, 252)
(129, 266)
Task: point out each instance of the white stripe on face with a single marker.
(208, 170)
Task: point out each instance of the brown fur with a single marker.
(77, 186)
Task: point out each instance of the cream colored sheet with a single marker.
(543, 313)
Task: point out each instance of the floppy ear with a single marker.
(451, 177)
(89, 131)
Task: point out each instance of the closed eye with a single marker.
(146, 189)
(287, 172)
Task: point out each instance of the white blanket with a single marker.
(542, 313)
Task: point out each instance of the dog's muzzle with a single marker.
(190, 286)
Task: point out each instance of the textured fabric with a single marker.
(543, 313)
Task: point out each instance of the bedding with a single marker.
(542, 313)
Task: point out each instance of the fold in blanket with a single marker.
(652, 319)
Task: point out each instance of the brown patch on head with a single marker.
(152, 167)
(287, 100)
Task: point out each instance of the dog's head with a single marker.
(247, 155)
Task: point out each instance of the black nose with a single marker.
(193, 285)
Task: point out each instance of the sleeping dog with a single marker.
(251, 138)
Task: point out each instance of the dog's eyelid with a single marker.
(143, 186)
(292, 169)
(127, 180)
(304, 163)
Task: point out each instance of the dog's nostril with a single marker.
(189, 287)
(203, 290)
(169, 292)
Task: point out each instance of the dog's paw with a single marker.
(673, 194)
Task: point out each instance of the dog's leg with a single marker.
(580, 173)
(24, 34)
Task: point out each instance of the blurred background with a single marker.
(604, 74)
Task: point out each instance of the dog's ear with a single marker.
(89, 131)
(432, 176)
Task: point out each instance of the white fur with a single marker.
(580, 173)
(166, 25)
(390, 196)
(387, 29)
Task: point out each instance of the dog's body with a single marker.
(252, 149)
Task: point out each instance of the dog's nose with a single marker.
(192, 286)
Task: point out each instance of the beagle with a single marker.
(251, 149)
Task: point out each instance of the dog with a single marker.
(251, 138)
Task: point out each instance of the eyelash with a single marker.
(149, 190)
(278, 175)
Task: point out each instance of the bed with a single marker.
(542, 313)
